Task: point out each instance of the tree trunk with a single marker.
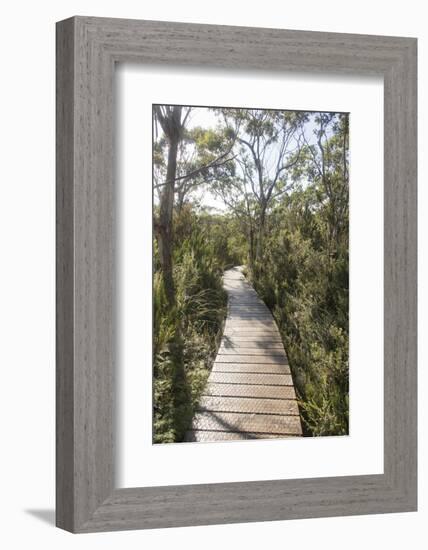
(251, 247)
(260, 238)
(165, 227)
(170, 120)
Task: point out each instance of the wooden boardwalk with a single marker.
(250, 392)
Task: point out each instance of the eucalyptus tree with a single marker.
(236, 194)
(172, 119)
(183, 160)
(326, 165)
(270, 143)
(206, 156)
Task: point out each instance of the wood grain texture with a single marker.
(64, 277)
(87, 49)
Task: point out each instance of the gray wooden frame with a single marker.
(87, 50)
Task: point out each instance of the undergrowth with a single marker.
(307, 291)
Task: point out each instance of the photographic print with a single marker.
(250, 273)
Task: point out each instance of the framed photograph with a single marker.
(253, 234)
(236, 274)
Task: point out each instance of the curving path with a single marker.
(250, 392)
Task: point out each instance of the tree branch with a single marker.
(214, 163)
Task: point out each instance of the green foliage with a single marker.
(215, 239)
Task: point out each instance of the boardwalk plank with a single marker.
(253, 332)
(250, 323)
(261, 341)
(244, 378)
(267, 358)
(273, 349)
(253, 391)
(246, 422)
(206, 436)
(236, 315)
(248, 405)
(247, 308)
(255, 368)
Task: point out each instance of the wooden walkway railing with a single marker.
(250, 392)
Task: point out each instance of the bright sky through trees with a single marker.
(208, 119)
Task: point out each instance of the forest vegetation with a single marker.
(269, 190)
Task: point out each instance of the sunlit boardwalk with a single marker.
(250, 392)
